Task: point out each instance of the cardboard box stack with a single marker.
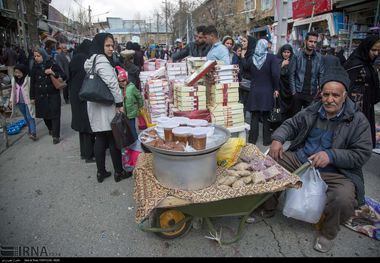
(194, 63)
(223, 96)
(189, 98)
(176, 71)
(156, 99)
(149, 65)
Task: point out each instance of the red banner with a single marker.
(304, 8)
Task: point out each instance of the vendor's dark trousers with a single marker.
(254, 132)
(340, 203)
(102, 140)
(301, 101)
(54, 125)
(86, 142)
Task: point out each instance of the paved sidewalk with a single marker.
(50, 197)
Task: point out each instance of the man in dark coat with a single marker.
(335, 137)
(199, 48)
(79, 119)
(63, 59)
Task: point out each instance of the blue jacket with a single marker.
(297, 72)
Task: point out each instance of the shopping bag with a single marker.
(275, 114)
(121, 131)
(308, 202)
(130, 154)
(141, 123)
(94, 89)
(229, 153)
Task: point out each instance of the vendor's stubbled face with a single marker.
(108, 47)
(200, 38)
(374, 51)
(333, 97)
(38, 58)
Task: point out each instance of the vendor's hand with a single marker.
(276, 150)
(320, 160)
(120, 110)
(49, 71)
(276, 94)
(32, 101)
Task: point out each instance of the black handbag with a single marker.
(121, 131)
(94, 89)
(275, 114)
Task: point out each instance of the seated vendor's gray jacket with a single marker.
(351, 147)
(192, 50)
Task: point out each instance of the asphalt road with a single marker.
(50, 200)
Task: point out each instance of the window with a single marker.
(22, 5)
(266, 5)
(37, 7)
(249, 5)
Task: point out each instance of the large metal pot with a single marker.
(187, 170)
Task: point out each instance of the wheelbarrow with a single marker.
(173, 217)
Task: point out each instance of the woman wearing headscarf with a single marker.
(20, 96)
(364, 89)
(229, 43)
(101, 115)
(265, 73)
(43, 93)
(286, 98)
(79, 116)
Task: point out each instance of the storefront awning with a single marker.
(329, 17)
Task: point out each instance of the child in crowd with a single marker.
(133, 100)
(20, 97)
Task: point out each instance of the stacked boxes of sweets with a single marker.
(149, 65)
(176, 71)
(194, 63)
(156, 99)
(223, 96)
(144, 77)
(160, 63)
(189, 98)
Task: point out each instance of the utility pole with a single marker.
(158, 27)
(89, 19)
(312, 15)
(166, 21)
(180, 19)
(282, 26)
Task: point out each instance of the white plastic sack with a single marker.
(308, 202)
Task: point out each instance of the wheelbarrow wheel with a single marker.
(164, 218)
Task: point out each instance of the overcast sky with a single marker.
(126, 9)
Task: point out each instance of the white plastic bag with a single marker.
(308, 202)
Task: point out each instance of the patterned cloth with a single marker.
(149, 193)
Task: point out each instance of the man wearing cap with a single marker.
(336, 137)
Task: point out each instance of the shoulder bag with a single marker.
(94, 89)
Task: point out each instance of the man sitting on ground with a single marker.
(336, 137)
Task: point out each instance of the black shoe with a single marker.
(123, 175)
(33, 137)
(56, 140)
(101, 176)
(92, 160)
(67, 101)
